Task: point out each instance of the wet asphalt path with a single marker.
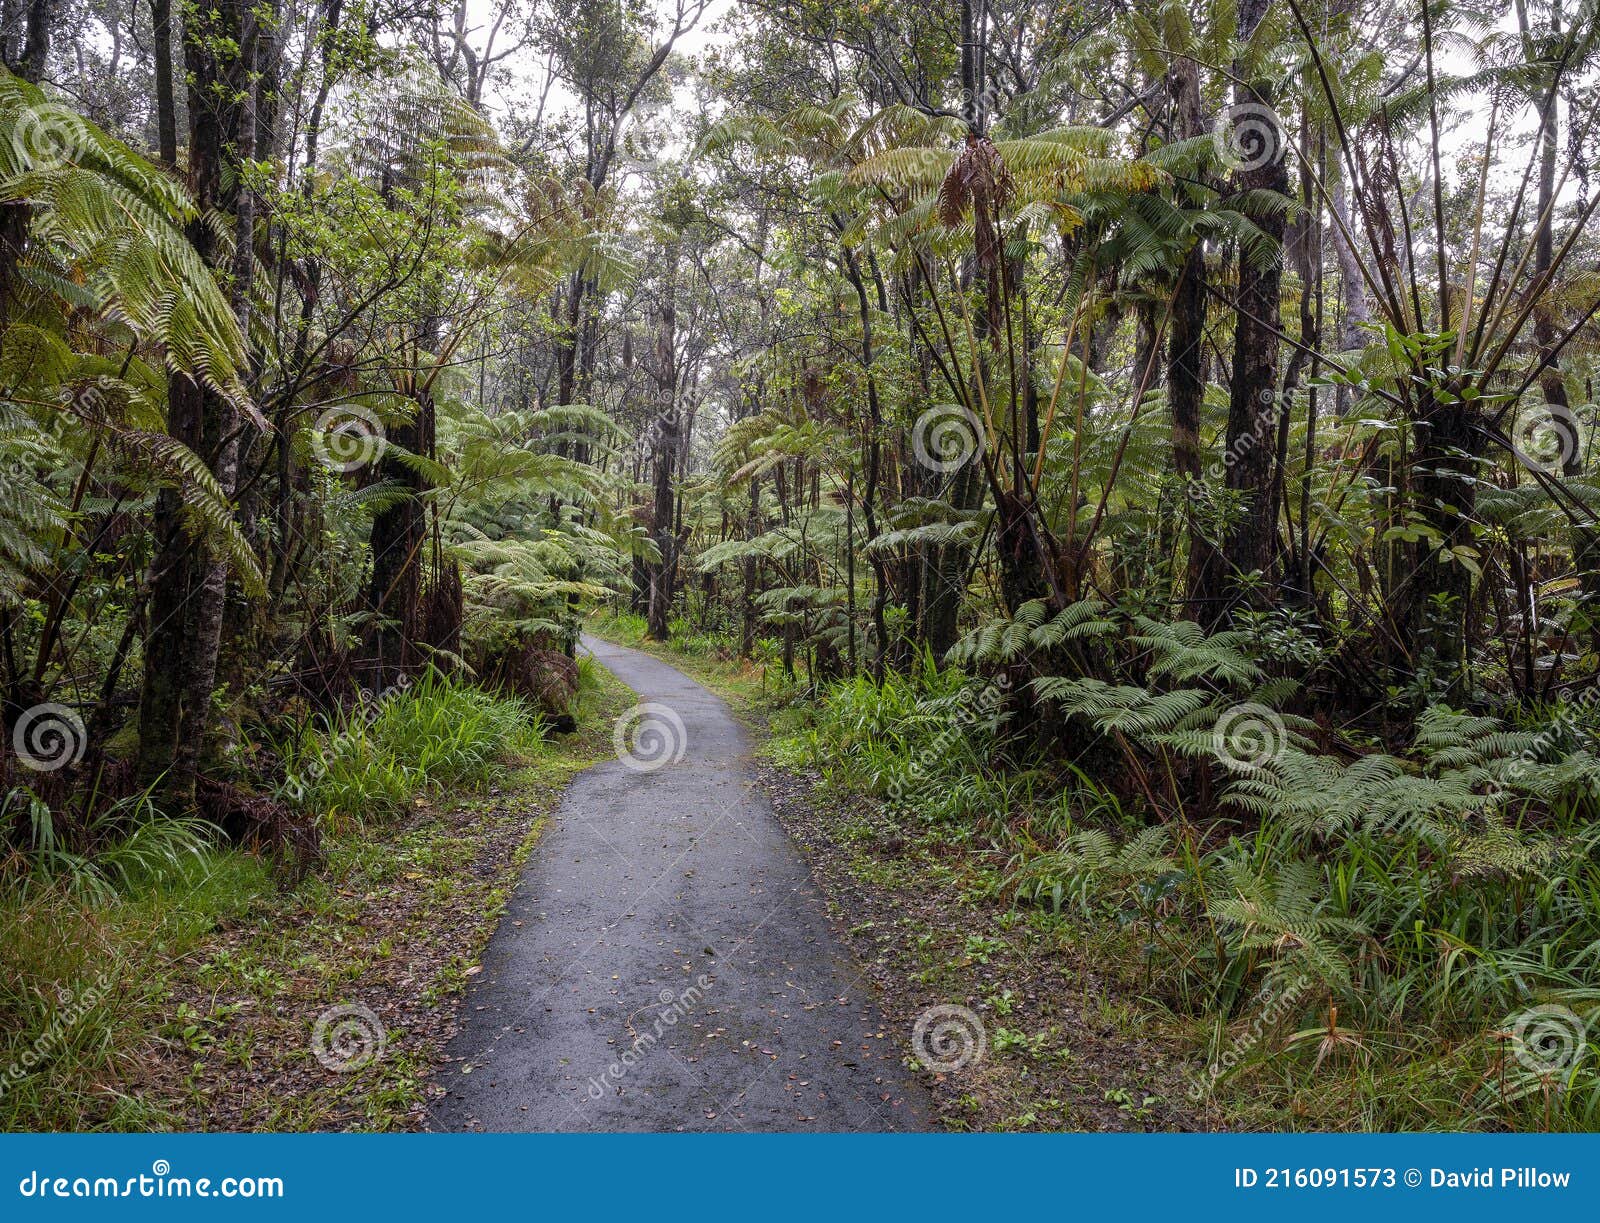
(666, 962)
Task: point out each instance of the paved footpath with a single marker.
(666, 962)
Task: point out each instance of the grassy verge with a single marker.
(200, 997)
(1228, 975)
(1067, 1044)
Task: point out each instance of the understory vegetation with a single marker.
(171, 979)
(1145, 447)
(1382, 944)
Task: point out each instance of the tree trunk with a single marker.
(17, 216)
(399, 534)
(189, 584)
(668, 424)
(1186, 382)
(1354, 309)
(1253, 406)
(751, 573)
(166, 103)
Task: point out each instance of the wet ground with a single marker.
(666, 962)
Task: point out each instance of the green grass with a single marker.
(190, 979)
(81, 981)
(1405, 982)
(376, 758)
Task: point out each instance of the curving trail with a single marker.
(667, 963)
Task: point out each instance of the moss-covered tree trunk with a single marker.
(1248, 544)
(188, 582)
